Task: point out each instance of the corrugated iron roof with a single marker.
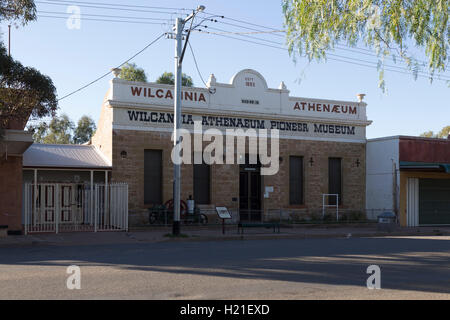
(64, 156)
(418, 149)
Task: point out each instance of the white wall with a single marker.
(381, 155)
(137, 106)
(236, 97)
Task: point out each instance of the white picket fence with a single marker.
(67, 207)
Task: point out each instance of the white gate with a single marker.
(324, 205)
(65, 207)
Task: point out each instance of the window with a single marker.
(152, 176)
(295, 180)
(202, 183)
(334, 180)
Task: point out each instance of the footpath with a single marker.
(214, 233)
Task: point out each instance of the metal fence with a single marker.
(66, 207)
(162, 217)
(306, 216)
(281, 215)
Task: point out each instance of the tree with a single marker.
(24, 91)
(21, 10)
(59, 131)
(443, 134)
(428, 134)
(131, 72)
(168, 78)
(387, 27)
(84, 130)
(39, 131)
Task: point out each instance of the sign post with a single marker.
(223, 214)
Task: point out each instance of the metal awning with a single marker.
(426, 166)
(64, 156)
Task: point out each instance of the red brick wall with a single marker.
(11, 192)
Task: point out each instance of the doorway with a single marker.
(250, 208)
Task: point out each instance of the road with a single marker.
(411, 268)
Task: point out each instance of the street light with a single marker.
(179, 54)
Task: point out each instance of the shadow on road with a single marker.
(406, 263)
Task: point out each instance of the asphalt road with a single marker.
(411, 268)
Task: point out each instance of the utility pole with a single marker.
(177, 125)
(179, 54)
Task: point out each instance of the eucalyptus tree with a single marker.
(131, 72)
(24, 91)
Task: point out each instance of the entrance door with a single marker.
(48, 202)
(434, 201)
(66, 203)
(250, 192)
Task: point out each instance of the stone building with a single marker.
(322, 148)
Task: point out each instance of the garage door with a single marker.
(434, 201)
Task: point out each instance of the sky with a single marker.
(74, 57)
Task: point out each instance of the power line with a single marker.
(273, 31)
(387, 68)
(328, 54)
(105, 16)
(245, 22)
(107, 8)
(225, 33)
(250, 32)
(196, 65)
(279, 35)
(104, 20)
(339, 45)
(242, 33)
(101, 77)
(438, 76)
(117, 5)
(243, 27)
(344, 48)
(227, 36)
